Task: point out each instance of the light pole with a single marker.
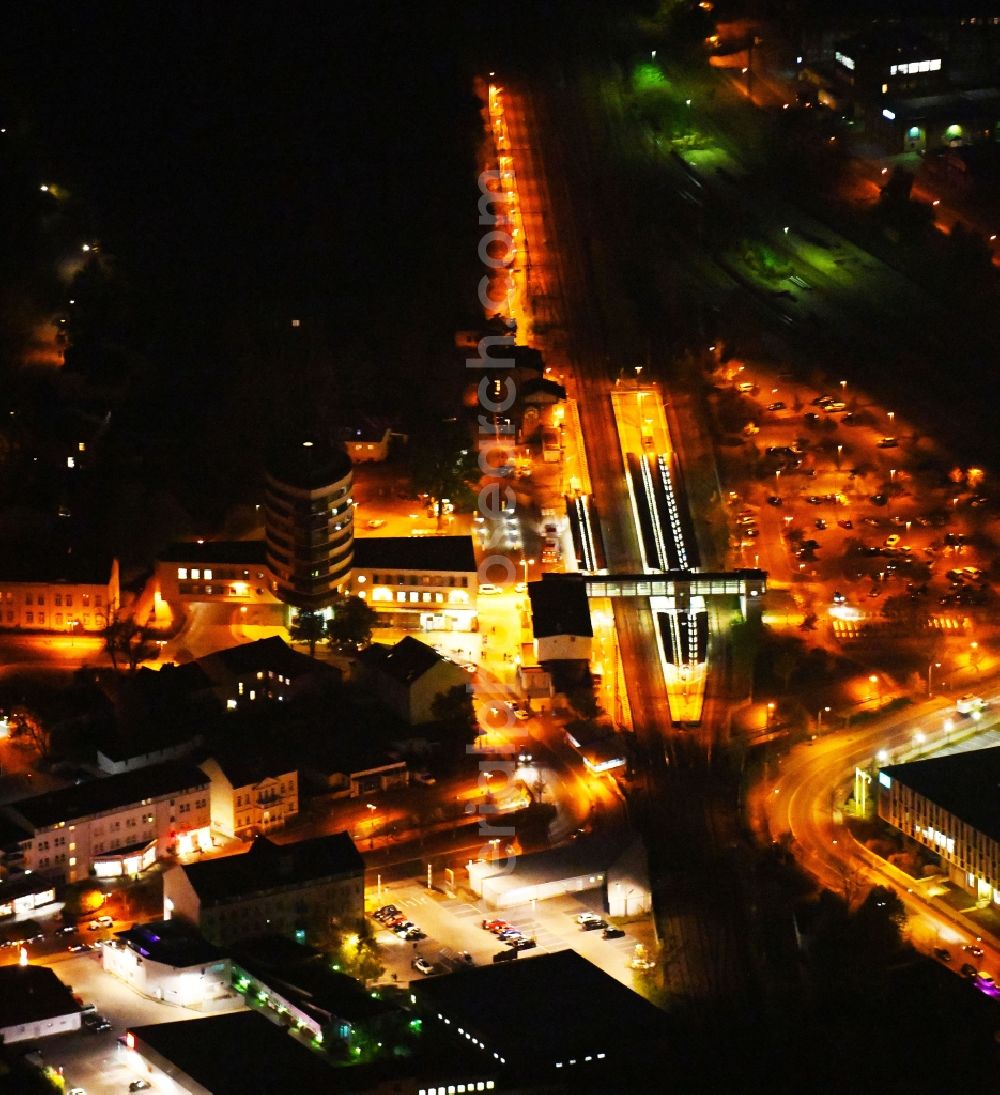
(371, 831)
(974, 656)
(948, 727)
(527, 563)
(930, 676)
(819, 719)
(891, 415)
(877, 697)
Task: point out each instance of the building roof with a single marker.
(590, 855)
(242, 768)
(965, 784)
(509, 1007)
(530, 390)
(405, 662)
(248, 552)
(47, 560)
(448, 553)
(272, 653)
(308, 464)
(23, 885)
(32, 993)
(109, 793)
(171, 942)
(303, 976)
(236, 1054)
(559, 606)
(270, 866)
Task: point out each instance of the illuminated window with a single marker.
(72, 860)
(361, 579)
(401, 596)
(208, 573)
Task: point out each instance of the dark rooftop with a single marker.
(31, 993)
(559, 606)
(271, 653)
(541, 386)
(48, 560)
(405, 662)
(308, 464)
(965, 784)
(303, 976)
(23, 885)
(450, 553)
(510, 1008)
(172, 942)
(248, 552)
(242, 768)
(269, 866)
(236, 1054)
(109, 793)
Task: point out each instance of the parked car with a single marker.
(414, 935)
(402, 928)
(495, 925)
(386, 912)
(421, 965)
(79, 948)
(523, 943)
(942, 954)
(612, 933)
(968, 970)
(971, 948)
(139, 1085)
(585, 917)
(593, 925)
(505, 956)
(487, 589)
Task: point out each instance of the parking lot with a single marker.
(96, 1061)
(454, 927)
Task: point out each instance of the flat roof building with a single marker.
(34, 1003)
(951, 806)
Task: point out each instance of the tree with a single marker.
(442, 466)
(455, 718)
(308, 627)
(37, 733)
(351, 626)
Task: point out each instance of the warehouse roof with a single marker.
(29, 994)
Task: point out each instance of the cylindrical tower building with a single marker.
(309, 522)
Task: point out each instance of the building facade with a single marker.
(234, 572)
(250, 797)
(309, 522)
(947, 805)
(408, 677)
(418, 582)
(115, 826)
(70, 599)
(296, 890)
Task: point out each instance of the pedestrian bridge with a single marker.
(680, 587)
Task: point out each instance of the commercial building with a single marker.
(170, 961)
(409, 677)
(34, 1003)
(427, 582)
(950, 806)
(288, 889)
(44, 589)
(23, 895)
(231, 571)
(114, 826)
(309, 522)
(226, 1055)
(609, 1039)
(297, 982)
(251, 795)
(613, 863)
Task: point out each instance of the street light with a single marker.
(371, 831)
(891, 415)
(930, 676)
(874, 681)
(527, 563)
(948, 727)
(919, 738)
(819, 719)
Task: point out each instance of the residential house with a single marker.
(34, 1003)
(251, 795)
(48, 589)
(408, 677)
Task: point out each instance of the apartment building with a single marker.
(251, 795)
(119, 825)
(285, 889)
(44, 590)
